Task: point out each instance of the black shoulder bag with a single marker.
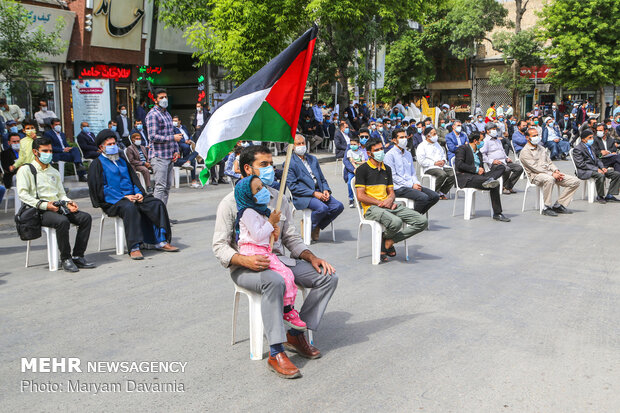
(28, 219)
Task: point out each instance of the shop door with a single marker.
(122, 98)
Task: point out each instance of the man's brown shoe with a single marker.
(168, 248)
(136, 255)
(282, 366)
(300, 345)
(314, 235)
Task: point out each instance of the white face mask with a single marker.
(535, 140)
(163, 103)
(493, 133)
(176, 124)
(43, 108)
(137, 142)
(600, 133)
(15, 146)
(402, 143)
(124, 112)
(458, 129)
(300, 150)
(434, 138)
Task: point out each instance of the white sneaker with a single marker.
(196, 185)
(187, 165)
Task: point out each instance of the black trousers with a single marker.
(614, 184)
(613, 161)
(139, 217)
(476, 182)
(423, 199)
(511, 172)
(61, 224)
(214, 171)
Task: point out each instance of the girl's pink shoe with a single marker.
(292, 320)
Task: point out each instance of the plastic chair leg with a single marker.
(234, 317)
(591, 191)
(524, 198)
(177, 176)
(359, 233)
(333, 233)
(101, 231)
(306, 222)
(27, 253)
(256, 327)
(376, 245)
(52, 249)
(61, 169)
(468, 206)
(119, 232)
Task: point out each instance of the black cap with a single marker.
(586, 133)
(103, 135)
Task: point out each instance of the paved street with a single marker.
(485, 317)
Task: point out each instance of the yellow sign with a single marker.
(536, 93)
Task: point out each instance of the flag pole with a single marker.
(287, 163)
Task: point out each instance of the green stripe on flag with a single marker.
(267, 126)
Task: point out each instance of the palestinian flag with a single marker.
(264, 108)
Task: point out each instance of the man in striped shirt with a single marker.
(164, 150)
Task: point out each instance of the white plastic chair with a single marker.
(177, 176)
(469, 195)
(517, 160)
(338, 160)
(16, 200)
(540, 202)
(53, 255)
(376, 231)
(119, 233)
(256, 320)
(306, 221)
(590, 184)
(61, 169)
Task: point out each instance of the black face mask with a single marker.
(523, 130)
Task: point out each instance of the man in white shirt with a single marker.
(406, 183)
(11, 112)
(44, 116)
(433, 160)
(494, 155)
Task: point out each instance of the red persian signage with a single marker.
(535, 72)
(106, 72)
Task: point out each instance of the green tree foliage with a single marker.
(451, 29)
(583, 49)
(21, 45)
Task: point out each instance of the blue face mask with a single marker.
(262, 197)
(111, 149)
(354, 147)
(45, 158)
(13, 129)
(363, 141)
(419, 130)
(479, 145)
(267, 175)
(113, 128)
(139, 127)
(379, 155)
(86, 129)
(346, 130)
(590, 142)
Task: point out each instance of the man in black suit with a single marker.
(123, 124)
(341, 140)
(589, 166)
(605, 148)
(61, 149)
(8, 157)
(138, 127)
(352, 115)
(470, 173)
(86, 140)
(200, 117)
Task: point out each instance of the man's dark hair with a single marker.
(2, 101)
(111, 121)
(238, 150)
(354, 139)
(120, 107)
(476, 136)
(419, 123)
(248, 156)
(159, 91)
(492, 104)
(364, 130)
(11, 134)
(372, 142)
(395, 133)
(37, 143)
(29, 122)
(54, 120)
(42, 101)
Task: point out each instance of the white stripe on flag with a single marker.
(230, 120)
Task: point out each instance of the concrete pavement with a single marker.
(485, 317)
